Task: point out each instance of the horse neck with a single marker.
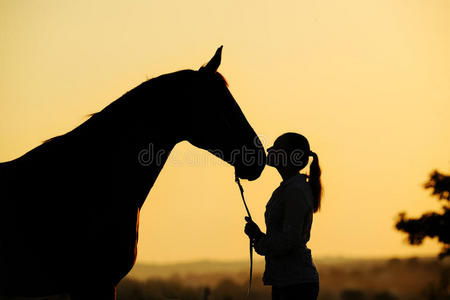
(157, 130)
(150, 161)
(142, 138)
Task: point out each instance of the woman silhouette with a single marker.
(290, 269)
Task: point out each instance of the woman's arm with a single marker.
(294, 212)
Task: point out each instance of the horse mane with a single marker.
(57, 136)
(50, 139)
(89, 116)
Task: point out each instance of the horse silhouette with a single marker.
(69, 208)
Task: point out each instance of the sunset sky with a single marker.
(368, 82)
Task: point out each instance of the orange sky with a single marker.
(366, 81)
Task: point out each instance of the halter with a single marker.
(236, 179)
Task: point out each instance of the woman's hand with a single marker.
(252, 230)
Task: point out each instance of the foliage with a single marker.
(413, 278)
(432, 224)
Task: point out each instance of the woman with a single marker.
(289, 214)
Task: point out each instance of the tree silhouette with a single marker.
(431, 224)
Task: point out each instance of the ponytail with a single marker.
(314, 181)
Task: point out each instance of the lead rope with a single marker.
(251, 245)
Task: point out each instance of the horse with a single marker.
(69, 208)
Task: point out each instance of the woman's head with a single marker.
(290, 153)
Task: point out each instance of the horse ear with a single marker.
(214, 63)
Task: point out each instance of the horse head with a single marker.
(215, 122)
